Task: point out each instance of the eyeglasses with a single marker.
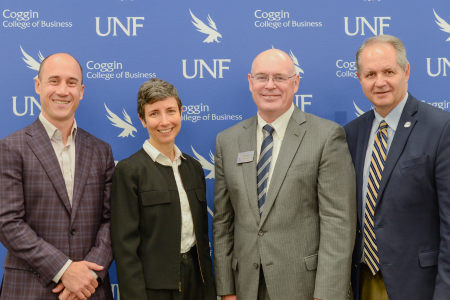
(263, 78)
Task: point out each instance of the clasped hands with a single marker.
(77, 282)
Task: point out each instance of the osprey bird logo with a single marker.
(206, 164)
(298, 70)
(212, 32)
(127, 126)
(358, 110)
(31, 62)
(444, 25)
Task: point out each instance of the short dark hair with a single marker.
(155, 90)
(45, 59)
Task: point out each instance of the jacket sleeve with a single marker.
(337, 213)
(125, 232)
(44, 259)
(101, 253)
(223, 229)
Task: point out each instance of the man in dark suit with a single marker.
(297, 243)
(401, 153)
(55, 183)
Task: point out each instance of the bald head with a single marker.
(273, 96)
(273, 56)
(56, 56)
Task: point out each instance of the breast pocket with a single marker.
(301, 168)
(151, 198)
(414, 162)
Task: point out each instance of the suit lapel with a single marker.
(42, 147)
(83, 157)
(361, 150)
(398, 143)
(247, 142)
(289, 147)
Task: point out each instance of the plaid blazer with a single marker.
(39, 228)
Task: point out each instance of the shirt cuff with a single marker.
(61, 272)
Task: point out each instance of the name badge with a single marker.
(245, 157)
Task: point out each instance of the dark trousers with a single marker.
(190, 277)
(263, 294)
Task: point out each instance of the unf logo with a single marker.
(218, 67)
(442, 64)
(131, 21)
(361, 23)
(30, 102)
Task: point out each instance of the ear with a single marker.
(37, 86)
(143, 122)
(408, 68)
(82, 92)
(296, 83)
(250, 82)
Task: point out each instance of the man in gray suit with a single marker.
(284, 199)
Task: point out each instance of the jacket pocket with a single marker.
(311, 262)
(429, 258)
(201, 195)
(413, 162)
(155, 197)
(234, 263)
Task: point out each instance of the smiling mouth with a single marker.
(61, 101)
(166, 131)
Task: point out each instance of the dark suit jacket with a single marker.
(38, 226)
(412, 216)
(146, 225)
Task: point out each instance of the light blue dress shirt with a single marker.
(392, 120)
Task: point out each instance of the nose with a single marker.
(164, 119)
(380, 82)
(270, 84)
(62, 90)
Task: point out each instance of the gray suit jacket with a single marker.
(305, 237)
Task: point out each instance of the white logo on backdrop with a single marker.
(298, 70)
(211, 31)
(359, 111)
(208, 166)
(31, 62)
(126, 125)
(444, 25)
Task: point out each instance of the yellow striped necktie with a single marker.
(376, 170)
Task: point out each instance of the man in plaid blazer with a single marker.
(55, 183)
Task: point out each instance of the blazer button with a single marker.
(255, 265)
(73, 231)
(261, 233)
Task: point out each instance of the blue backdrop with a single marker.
(205, 48)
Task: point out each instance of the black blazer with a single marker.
(146, 225)
(412, 216)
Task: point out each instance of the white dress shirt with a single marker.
(280, 125)
(187, 224)
(392, 120)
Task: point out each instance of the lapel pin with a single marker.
(407, 124)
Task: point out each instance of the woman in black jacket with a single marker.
(159, 222)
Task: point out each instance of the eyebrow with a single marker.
(57, 76)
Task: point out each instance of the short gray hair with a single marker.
(155, 90)
(384, 39)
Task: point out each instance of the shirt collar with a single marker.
(280, 124)
(394, 115)
(157, 156)
(51, 129)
